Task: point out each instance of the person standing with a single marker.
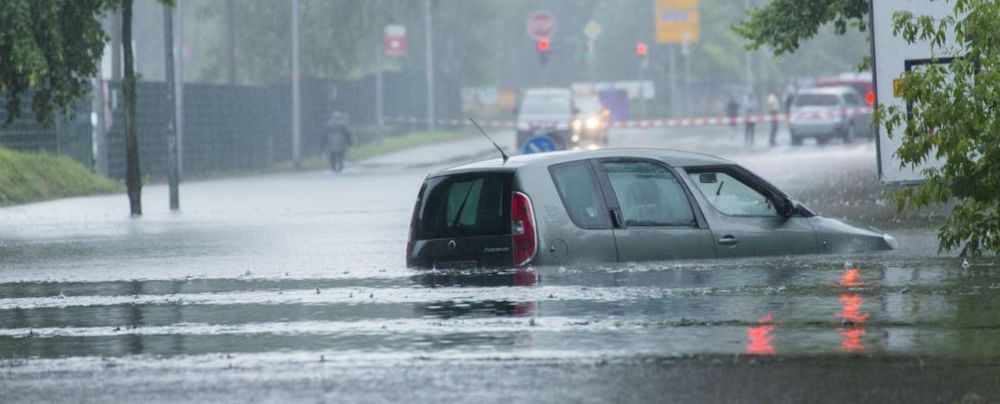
(773, 108)
(732, 110)
(749, 112)
(338, 139)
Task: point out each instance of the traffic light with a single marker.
(641, 50)
(543, 47)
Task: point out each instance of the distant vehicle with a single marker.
(860, 82)
(590, 127)
(610, 205)
(549, 112)
(824, 113)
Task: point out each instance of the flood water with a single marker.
(295, 270)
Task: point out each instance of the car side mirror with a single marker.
(787, 208)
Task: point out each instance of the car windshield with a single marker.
(546, 104)
(588, 105)
(816, 100)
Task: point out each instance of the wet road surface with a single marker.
(292, 287)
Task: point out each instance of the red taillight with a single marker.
(870, 98)
(523, 229)
(413, 234)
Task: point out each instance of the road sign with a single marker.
(394, 43)
(677, 19)
(538, 144)
(592, 30)
(892, 57)
(541, 24)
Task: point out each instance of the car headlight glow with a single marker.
(593, 123)
(577, 124)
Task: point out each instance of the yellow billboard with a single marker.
(677, 21)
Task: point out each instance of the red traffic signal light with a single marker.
(543, 45)
(640, 49)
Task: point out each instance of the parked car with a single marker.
(825, 113)
(609, 205)
(590, 126)
(546, 111)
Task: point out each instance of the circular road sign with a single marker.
(538, 144)
(541, 24)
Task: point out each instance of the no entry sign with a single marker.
(541, 24)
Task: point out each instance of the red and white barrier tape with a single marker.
(662, 123)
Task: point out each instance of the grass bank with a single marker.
(38, 176)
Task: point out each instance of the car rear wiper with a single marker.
(458, 214)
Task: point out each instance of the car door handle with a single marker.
(728, 240)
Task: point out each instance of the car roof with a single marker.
(548, 91)
(847, 78)
(675, 158)
(832, 90)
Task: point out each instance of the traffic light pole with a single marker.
(379, 120)
(296, 124)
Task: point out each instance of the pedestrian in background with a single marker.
(773, 108)
(338, 139)
(749, 112)
(732, 110)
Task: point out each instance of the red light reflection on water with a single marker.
(760, 337)
(851, 278)
(850, 312)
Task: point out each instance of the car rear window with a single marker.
(463, 205)
(580, 195)
(546, 104)
(816, 100)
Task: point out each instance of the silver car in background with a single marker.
(825, 113)
(613, 205)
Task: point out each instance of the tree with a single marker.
(784, 24)
(954, 115)
(51, 49)
(954, 118)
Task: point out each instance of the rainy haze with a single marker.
(466, 201)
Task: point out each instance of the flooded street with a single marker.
(293, 287)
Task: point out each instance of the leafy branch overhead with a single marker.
(783, 24)
(50, 50)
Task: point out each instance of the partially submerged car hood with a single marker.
(835, 236)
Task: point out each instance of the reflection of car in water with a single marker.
(546, 111)
(824, 113)
(622, 205)
(590, 126)
(477, 279)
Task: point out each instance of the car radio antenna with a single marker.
(490, 139)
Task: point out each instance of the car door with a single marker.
(743, 213)
(652, 212)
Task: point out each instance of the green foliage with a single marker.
(48, 49)
(32, 176)
(784, 24)
(954, 118)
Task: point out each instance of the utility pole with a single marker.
(672, 79)
(230, 41)
(749, 55)
(296, 140)
(168, 53)
(429, 56)
(379, 119)
(179, 86)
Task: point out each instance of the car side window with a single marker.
(649, 194)
(732, 196)
(581, 195)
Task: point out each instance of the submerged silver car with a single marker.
(613, 205)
